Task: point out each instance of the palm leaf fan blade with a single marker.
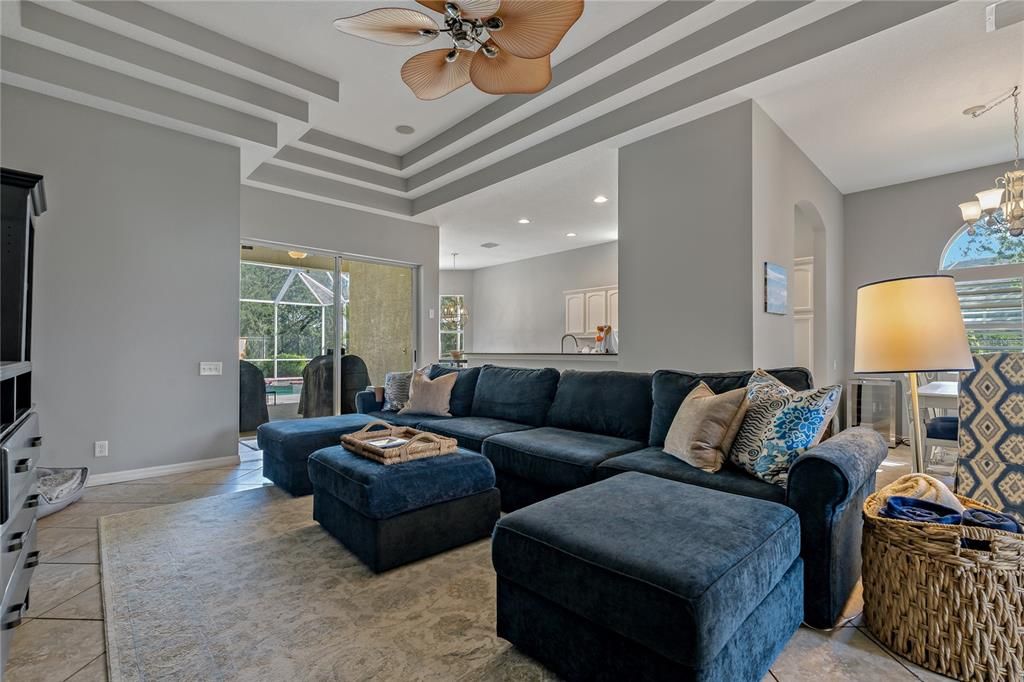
(431, 76)
(391, 26)
(534, 28)
(507, 74)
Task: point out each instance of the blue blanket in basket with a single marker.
(921, 511)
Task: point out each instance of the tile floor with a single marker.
(62, 640)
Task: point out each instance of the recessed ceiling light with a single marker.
(600, 199)
(570, 234)
(405, 130)
(489, 245)
(524, 221)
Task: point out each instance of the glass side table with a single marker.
(871, 402)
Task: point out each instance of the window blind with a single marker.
(993, 313)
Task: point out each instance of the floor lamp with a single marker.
(910, 325)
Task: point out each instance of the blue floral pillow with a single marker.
(780, 424)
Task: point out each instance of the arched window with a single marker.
(988, 267)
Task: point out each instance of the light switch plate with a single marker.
(210, 369)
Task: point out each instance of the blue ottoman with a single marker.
(393, 514)
(287, 444)
(639, 577)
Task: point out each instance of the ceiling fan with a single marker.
(501, 46)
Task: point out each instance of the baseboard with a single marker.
(162, 470)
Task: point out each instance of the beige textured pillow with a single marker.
(430, 397)
(705, 426)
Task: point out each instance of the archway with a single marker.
(808, 290)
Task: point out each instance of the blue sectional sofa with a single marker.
(546, 433)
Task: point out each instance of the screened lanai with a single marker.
(287, 316)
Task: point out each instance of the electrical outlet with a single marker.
(101, 448)
(210, 369)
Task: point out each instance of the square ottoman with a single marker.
(638, 577)
(287, 444)
(393, 514)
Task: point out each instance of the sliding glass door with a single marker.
(299, 311)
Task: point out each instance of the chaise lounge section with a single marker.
(599, 425)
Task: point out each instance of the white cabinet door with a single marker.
(575, 314)
(597, 310)
(803, 285)
(613, 308)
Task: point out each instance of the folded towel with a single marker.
(921, 511)
(922, 487)
(989, 519)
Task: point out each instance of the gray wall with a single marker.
(274, 217)
(788, 188)
(460, 282)
(685, 246)
(136, 282)
(519, 308)
(902, 229)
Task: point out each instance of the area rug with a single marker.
(247, 586)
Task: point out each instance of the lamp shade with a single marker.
(990, 199)
(971, 211)
(912, 324)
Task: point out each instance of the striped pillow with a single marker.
(396, 390)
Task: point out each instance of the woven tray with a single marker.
(951, 609)
(418, 445)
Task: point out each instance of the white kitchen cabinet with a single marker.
(585, 309)
(597, 310)
(575, 313)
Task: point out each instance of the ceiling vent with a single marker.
(488, 245)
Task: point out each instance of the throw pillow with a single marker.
(396, 390)
(430, 397)
(705, 426)
(780, 424)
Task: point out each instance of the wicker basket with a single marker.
(418, 445)
(954, 610)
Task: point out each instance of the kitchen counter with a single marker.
(560, 361)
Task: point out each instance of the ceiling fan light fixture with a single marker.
(516, 45)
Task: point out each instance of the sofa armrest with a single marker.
(366, 402)
(827, 486)
(828, 474)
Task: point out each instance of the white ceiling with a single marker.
(373, 97)
(888, 109)
(880, 104)
(557, 199)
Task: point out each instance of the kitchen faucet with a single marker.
(561, 346)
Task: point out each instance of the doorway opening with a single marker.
(810, 340)
(299, 311)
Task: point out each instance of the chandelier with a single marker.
(453, 312)
(501, 46)
(1001, 207)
